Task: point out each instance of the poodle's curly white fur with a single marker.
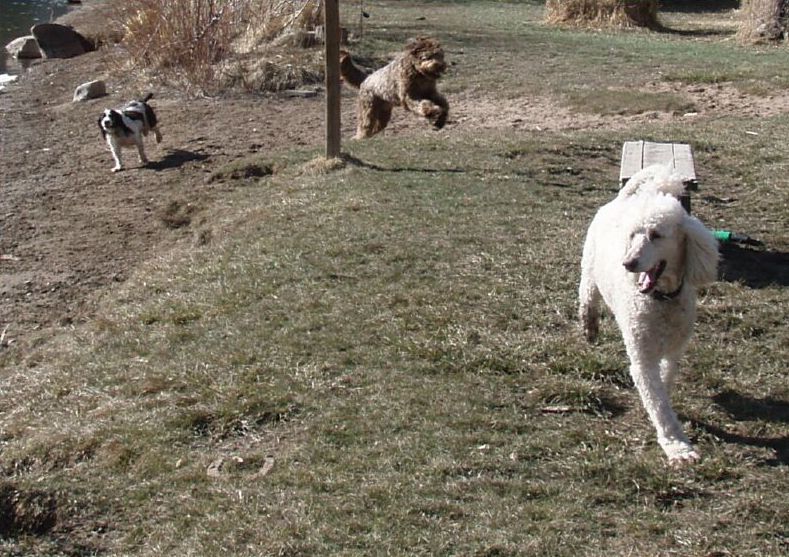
(645, 257)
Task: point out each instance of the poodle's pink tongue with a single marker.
(647, 280)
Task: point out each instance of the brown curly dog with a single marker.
(408, 81)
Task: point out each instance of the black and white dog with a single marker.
(125, 127)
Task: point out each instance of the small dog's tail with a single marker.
(657, 178)
(146, 98)
(351, 74)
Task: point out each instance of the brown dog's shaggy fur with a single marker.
(408, 81)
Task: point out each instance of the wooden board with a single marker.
(638, 154)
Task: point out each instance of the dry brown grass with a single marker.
(763, 22)
(619, 13)
(194, 42)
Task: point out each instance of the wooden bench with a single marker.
(639, 154)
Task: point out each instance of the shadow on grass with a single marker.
(779, 444)
(743, 408)
(699, 6)
(695, 32)
(363, 164)
(175, 159)
(754, 268)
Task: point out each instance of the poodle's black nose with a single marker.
(631, 265)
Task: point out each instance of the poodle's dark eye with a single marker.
(654, 235)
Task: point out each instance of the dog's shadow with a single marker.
(742, 408)
(753, 267)
(176, 158)
(350, 159)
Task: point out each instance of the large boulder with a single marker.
(59, 41)
(90, 90)
(24, 47)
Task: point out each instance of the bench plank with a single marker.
(632, 159)
(639, 154)
(683, 162)
(658, 153)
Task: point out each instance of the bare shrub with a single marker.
(192, 42)
(638, 13)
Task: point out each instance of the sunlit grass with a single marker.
(382, 356)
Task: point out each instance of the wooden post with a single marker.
(332, 26)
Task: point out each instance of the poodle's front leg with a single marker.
(589, 307)
(654, 396)
(668, 372)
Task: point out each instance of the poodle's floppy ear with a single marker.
(701, 253)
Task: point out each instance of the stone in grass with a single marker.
(90, 90)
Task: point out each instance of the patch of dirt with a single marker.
(68, 225)
(548, 114)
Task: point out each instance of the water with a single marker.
(18, 16)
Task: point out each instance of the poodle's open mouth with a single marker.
(647, 281)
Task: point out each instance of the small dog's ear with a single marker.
(701, 253)
(101, 128)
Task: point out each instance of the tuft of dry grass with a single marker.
(620, 13)
(198, 43)
(763, 21)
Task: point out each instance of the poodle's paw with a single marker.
(117, 168)
(680, 453)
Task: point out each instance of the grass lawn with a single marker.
(384, 359)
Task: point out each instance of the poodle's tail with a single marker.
(351, 74)
(658, 178)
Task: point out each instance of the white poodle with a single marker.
(645, 256)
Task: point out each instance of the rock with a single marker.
(59, 41)
(90, 90)
(24, 47)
